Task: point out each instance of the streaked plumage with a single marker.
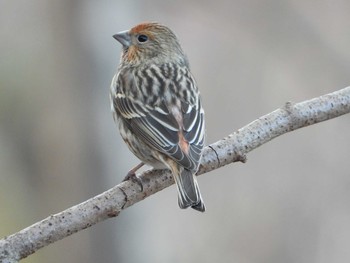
(155, 100)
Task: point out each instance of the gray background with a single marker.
(59, 146)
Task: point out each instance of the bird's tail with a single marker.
(188, 190)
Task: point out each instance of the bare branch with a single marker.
(230, 149)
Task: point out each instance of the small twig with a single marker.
(230, 149)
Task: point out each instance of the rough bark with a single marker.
(230, 149)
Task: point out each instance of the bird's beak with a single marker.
(124, 38)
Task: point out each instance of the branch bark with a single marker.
(230, 149)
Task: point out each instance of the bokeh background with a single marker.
(59, 146)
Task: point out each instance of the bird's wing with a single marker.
(160, 128)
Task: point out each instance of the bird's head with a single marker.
(150, 43)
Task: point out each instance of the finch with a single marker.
(156, 103)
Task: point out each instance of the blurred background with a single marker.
(59, 146)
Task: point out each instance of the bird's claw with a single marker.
(133, 177)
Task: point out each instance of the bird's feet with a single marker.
(131, 175)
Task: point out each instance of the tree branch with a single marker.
(230, 149)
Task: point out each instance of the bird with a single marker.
(157, 106)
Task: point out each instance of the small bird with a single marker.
(156, 104)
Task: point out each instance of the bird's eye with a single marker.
(142, 38)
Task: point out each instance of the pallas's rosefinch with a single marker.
(156, 103)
